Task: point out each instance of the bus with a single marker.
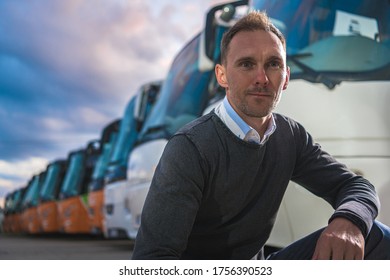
(29, 216)
(15, 211)
(72, 206)
(95, 188)
(339, 55)
(2, 216)
(49, 194)
(137, 110)
(7, 212)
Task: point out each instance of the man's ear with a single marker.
(287, 79)
(220, 74)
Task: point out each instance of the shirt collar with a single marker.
(237, 125)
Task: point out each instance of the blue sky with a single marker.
(68, 68)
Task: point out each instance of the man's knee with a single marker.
(378, 242)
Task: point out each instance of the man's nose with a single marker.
(261, 77)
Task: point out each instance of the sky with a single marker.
(68, 68)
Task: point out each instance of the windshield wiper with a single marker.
(160, 129)
(310, 74)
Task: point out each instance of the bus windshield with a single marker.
(31, 197)
(74, 175)
(9, 200)
(127, 131)
(102, 162)
(183, 95)
(12, 200)
(18, 199)
(333, 41)
(48, 191)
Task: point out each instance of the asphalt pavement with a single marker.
(63, 247)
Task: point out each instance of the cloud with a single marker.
(7, 185)
(87, 46)
(61, 57)
(14, 175)
(23, 168)
(90, 116)
(55, 124)
(68, 68)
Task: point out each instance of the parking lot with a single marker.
(63, 247)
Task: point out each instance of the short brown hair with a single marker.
(253, 21)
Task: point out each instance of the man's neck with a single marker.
(260, 124)
(240, 127)
(257, 123)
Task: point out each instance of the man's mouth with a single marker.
(259, 92)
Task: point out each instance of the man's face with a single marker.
(255, 73)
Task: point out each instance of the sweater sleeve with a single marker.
(352, 196)
(172, 202)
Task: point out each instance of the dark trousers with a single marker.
(377, 246)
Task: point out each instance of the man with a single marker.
(220, 181)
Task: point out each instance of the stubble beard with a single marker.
(262, 110)
(246, 110)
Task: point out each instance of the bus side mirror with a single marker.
(218, 16)
(146, 97)
(227, 12)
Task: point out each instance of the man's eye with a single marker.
(246, 64)
(275, 64)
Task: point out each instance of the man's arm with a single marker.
(172, 202)
(353, 197)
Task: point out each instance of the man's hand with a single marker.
(341, 240)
